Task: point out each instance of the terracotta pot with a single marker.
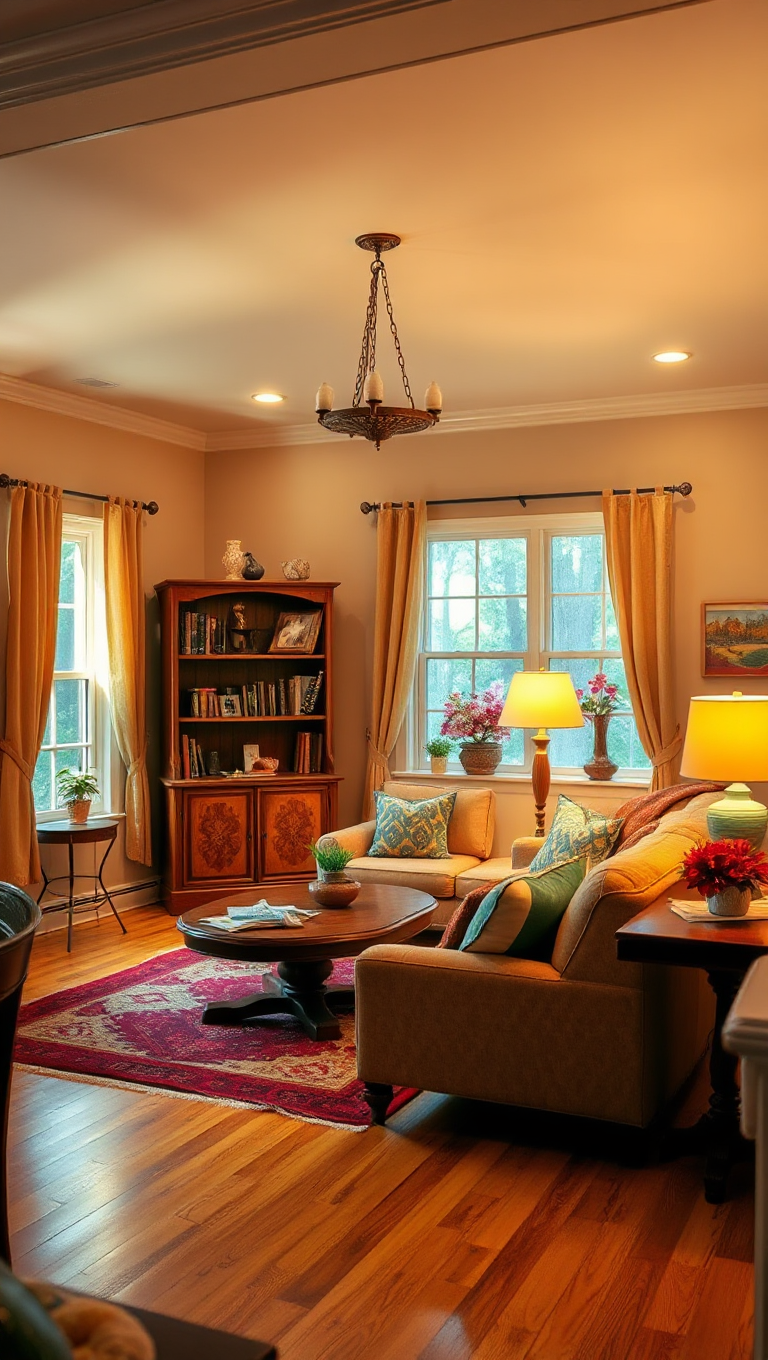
(480, 757)
(78, 810)
(438, 764)
(600, 766)
(336, 894)
(732, 901)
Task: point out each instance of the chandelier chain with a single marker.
(395, 337)
(368, 352)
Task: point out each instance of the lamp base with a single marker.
(736, 816)
(540, 778)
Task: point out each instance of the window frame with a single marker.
(88, 531)
(538, 532)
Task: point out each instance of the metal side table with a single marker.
(71, 834)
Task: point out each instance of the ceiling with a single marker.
(568, 207)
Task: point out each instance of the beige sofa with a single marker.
(470, 837)
(583, 1034)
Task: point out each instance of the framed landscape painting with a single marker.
(734, 639)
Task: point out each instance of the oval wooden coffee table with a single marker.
(379, 915)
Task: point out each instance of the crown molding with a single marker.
(98, 413)
(691, 402)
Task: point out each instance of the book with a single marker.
(691, 911)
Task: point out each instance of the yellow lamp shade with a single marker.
(727, 738)
(541, 699)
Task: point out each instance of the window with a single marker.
(74, 735)
(503, 595)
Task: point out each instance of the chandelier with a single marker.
(368, 416)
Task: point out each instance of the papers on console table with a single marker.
(259, 916)
(690, 911)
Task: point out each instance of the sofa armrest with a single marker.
(524, 849)
(358, 839)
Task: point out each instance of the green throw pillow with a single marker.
(408, 828)
(520, 916)
(577, 831)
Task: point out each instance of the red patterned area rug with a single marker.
(143, 1028)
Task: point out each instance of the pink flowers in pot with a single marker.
(602, 698)
(475, 718)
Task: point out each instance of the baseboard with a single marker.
(127, 896)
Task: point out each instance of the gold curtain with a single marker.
(124, 595)
(34, 566)
(401, 536)
(638, 542)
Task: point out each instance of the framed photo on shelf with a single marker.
(296, 633)
(250, 754)
(229, 706)
(734, 639)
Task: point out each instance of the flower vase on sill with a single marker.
(598, 707)
(474, 723)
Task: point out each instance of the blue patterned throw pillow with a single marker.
(577, 831)
(407, 828)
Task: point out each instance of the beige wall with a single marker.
(303, 501)
(42, 446)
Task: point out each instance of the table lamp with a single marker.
(541, 699)
(726, 740)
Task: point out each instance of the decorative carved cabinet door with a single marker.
(290, 819)
(218, 841)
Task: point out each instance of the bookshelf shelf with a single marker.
(225, 833)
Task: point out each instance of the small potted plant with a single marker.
(474, 723)
(727, 873)
(76, 790)
(598, 707)
(333, 886)
(438, 749)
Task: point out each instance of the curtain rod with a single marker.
(151, 507)
(684, 489)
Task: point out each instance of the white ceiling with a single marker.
(568, 207)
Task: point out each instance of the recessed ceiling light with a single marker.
(672, 356)
(268, 398)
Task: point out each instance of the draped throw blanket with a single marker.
(401, 537)
(638, 545)
(34, 565)
(125, 608)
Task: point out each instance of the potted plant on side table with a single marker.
(474, 723)
(76, 790)
(333, 887)
(727, 873)
(438, 749)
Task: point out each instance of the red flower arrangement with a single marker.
(475, 718)
(718, 865)
(602, 698)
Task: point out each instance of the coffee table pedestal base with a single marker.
(298, 989)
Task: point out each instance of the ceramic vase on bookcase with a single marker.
(232, 561)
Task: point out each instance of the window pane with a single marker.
(502, 625)
(445, 676)
(577, 623)
(616, 675)
(452, 626)
(612, 643)
(624, 745)
(452, 568)
(502, 566)
(577, 562)
(488, 670)
(47, 733)
(70, 710)
(42, 783)
(69, 551)
(572, 746)
(65, 639)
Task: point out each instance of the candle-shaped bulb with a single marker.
(433, 399)
(373, 389)
(324, 398)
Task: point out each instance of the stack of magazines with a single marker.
(259, 916)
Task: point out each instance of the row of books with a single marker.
(201, 634)
(295, 694)
(308, 755)
(192, 759)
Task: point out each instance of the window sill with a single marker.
(524, 779)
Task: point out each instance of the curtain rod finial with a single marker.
(685, 488)
(152, 508)
(368, 506)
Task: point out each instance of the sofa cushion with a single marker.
(485, 874)
(435, 876)
(410, 829)
(521, 918)
(575, 831)
(470, 830)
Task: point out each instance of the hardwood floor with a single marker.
(459, 1230)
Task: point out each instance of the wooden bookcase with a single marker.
(225, 833)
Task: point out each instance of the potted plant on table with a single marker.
(76, 790)
(333, 887)
(727, 873)
(598, 707)
(474, 723)
(438, 749)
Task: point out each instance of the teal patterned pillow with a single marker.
(407, 828)
(521, 916)
(576, 831)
